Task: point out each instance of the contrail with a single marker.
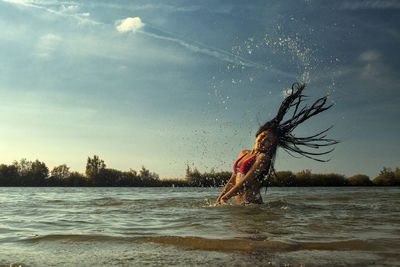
(198, 47)
(202, 48)
(33, 4)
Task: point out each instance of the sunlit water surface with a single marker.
(181, 226)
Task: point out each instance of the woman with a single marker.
(252, 167)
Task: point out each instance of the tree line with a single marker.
(36, 173)
(386, 177)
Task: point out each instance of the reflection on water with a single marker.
(181, 226)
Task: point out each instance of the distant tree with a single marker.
(111, 177)
(24, 166)
(386, 177)
(4, 181)
(188, 172)
(94, 168)
(130, 178)
(304, 178)
(76, 179)
(31, 173)
(195, 178)
(221, 178)
(148, 178)
(8, 175)
(284, 178)
(359, 180)
(397, 176)
(206, 179)
(53, 181)
(61, 172)
(39, 173)
(329, 179)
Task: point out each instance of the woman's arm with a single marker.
(262, 163)
(232, 181)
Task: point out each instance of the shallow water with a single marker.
(181, 226)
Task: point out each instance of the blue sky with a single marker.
(169, 83)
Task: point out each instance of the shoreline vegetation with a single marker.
(36, 173)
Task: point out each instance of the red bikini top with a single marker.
(245, 167)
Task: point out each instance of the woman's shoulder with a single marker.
(263, 157)
(244, 152)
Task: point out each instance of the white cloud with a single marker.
(69, 8)
(19, 2)
(370, 55)
(376, 73)
(373, 67)
(371, 4)
(46, 45)
(129, 24)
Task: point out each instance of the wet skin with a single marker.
(246, 188)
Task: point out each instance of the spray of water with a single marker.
(237, 93)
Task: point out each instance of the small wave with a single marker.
(55, 201)
(76, 238)
(244, 244)
(13, 265)
(105, 199)
(210, 203)
(277, 204)
(110, 204)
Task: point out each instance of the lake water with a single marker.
(181, 226)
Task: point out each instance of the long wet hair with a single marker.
(283, 131)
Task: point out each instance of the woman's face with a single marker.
(265, 140)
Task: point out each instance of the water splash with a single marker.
(243, 92)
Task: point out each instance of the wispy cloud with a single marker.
(172, 8)
(213, 52)
(371, 4)
(134, 24)
(46, 45)
(222, 9)
(375, 74)
(64, 9)
(370, 55)
(12, 32)
(166, 7)
(372, 67)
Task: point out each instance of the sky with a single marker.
(171, 84)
